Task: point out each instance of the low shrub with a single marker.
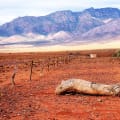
(117, 54)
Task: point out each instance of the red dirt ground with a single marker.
(36, 100)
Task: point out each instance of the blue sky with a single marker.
(10, 9)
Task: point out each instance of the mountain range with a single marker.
(63, 27)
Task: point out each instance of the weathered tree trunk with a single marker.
(86, 87)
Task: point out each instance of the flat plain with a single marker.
(36, 99)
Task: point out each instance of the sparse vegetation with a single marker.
(117, 54)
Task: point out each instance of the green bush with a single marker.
(117, 54)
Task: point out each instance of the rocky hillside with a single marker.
(88, 24)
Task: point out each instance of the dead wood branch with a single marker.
(87, 87)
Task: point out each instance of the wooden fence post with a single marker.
(13, 76)
(31, 70)
(48, 63)
(48, 66)
(57, 61)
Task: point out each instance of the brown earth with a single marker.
(36, 100)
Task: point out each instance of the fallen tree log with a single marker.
(87, 87)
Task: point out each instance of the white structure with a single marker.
(92, 55)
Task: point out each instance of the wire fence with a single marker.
(44, 64)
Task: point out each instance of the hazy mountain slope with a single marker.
(60, 21)
(86, 23)
(109, 30)
(55, 22)
(36, 39)
(63, 27)
(103, 13)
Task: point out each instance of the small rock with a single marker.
(18, 114)
(99, 100)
